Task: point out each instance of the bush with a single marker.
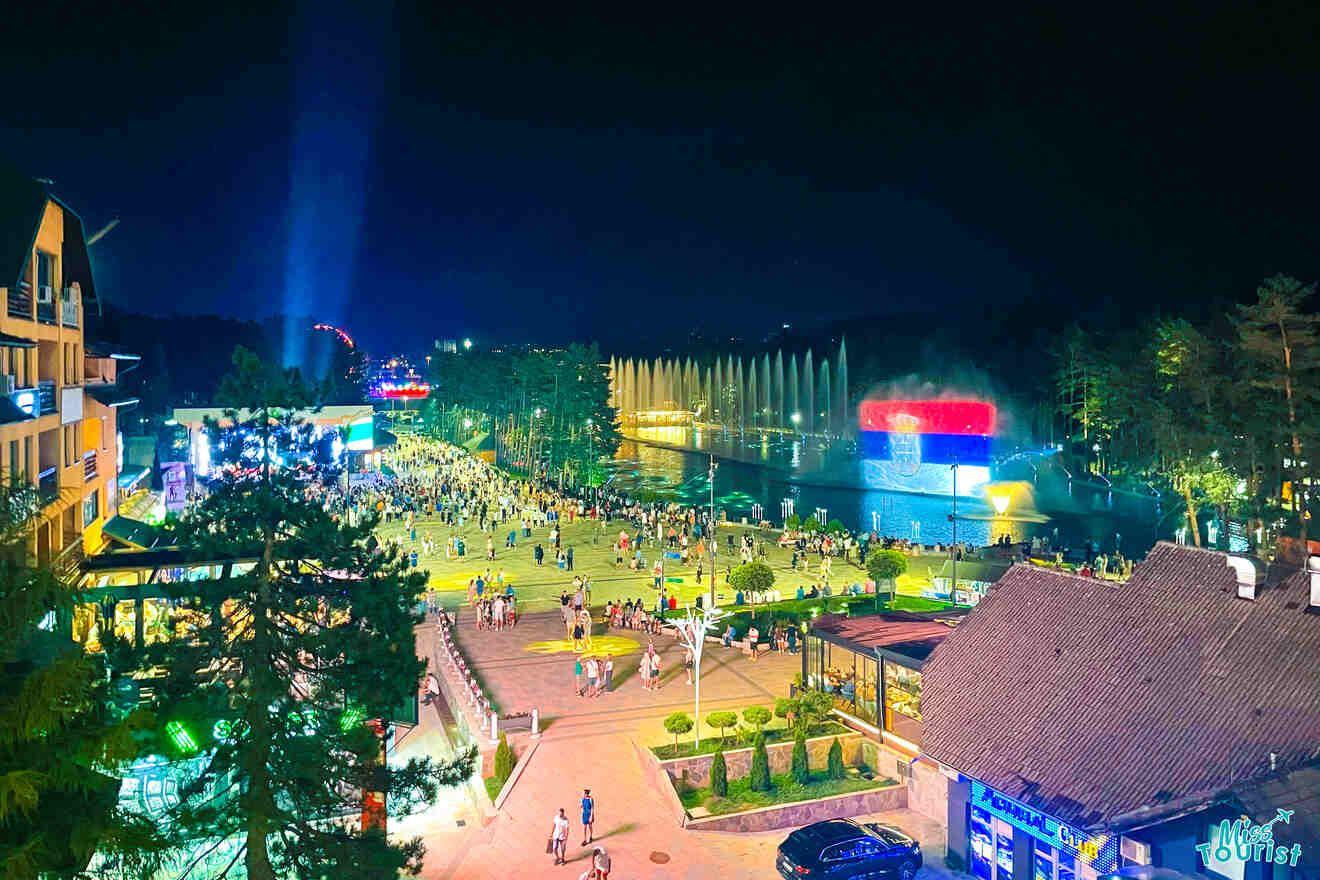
(885, 565)
(834, 527)
(757, 716)
(835, 770)
(793, 523)
(813, 707)
(752, 577)
(759, 778)
(784, 706)
(811, 525)
(678, 723)
(722, 720)
(719, 775)
(504, 760)
(801, 772)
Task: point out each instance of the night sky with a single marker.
(627, 177)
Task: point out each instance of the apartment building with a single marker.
(58, 401)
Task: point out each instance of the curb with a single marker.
(516, 775)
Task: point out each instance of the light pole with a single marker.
(692, 632)
(711, 526)
(953, 519)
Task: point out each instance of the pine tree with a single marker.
(835, 761)
(61, 739)
(719, 775)
(760, 773)
(504, 760)
(801, 772)
(288, 663)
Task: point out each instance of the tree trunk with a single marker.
(1299, 499)
(259, 801)
(1191, 513)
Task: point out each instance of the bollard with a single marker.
(485, 721)
(536, 723)
(494, 728)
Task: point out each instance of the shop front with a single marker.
(1007, 840)
(872, 667)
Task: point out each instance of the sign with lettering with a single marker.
(1099, 850)
(174, 476)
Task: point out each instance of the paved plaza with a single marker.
(589, 743)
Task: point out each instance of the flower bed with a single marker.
(773, 735)
(783, 790)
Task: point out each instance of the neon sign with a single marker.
(1100, 850)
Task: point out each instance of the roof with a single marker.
(908, 635)
(985, 570)
(336, 414)
(22, 204)
(1298, 791)
(111, 395)
(133, 532)
(1106, 704)
(103, 349)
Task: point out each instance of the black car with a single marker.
(844, 848)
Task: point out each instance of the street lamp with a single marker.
(711, 524)
(467, 344)
(953, 519)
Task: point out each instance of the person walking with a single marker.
(588, 816)
(559, 837)
(645, 668)
(609, 674)
(593, 676)
(577, 676)
(568, 556)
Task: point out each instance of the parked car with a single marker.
(843, 848)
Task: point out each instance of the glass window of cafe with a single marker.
(861, 683)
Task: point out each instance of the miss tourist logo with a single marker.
(1243, 841)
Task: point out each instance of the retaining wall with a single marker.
(876, 800)
(695, 771)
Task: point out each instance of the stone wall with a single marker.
(877, 800)
(695, 772)
(928, 790)
(658, 780)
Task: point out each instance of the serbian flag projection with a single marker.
(909, 445)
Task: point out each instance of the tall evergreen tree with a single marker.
(1278, 338)
(288, 662)
(61, 738)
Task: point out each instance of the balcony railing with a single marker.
(20, 301)
(48, 486)
(89, 465)
(47, 397)
(69, 313)
(46, 310)
(68, 564)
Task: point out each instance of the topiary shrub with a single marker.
(834, 527)
(801, 772)
(678, 723)
(835, 768)
(752, 577)
(719, 775)
(884, 566)
(722, 720)
(759, 778)
(793, 522)
(504, 760)
(757, 716)
(811, 525)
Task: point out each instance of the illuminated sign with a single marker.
(402, 390)
(361, 435)
(1100, 850)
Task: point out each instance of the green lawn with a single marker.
(712, 741)
(783, 790)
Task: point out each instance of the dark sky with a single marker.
(626, 177)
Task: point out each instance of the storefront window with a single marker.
(982, 843)
(155, 620)
(1044, 862)
(1004, 851)
(866, 688)
(87, 626)
(903, 702)
(1067, 867)
(126, 620)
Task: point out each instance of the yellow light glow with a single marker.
(1000, 502)
(615, 646)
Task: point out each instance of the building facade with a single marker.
(54, 434)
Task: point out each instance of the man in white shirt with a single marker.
(600, 865)
(559, 837)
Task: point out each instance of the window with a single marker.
(1232, 867)
(903, 702)
(981, 842)
(45, 270)
(91, 508)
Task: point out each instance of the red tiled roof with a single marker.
(876, 631)
(1098, 702)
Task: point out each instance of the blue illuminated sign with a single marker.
(26, 401)
(1100, 850)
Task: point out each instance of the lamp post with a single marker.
(953, 519)
(692, 632)
(711, 524)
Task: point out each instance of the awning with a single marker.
(111, 395)
(131, 477)
(9, 341)
(133, 532)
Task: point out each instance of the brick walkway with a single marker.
(588, 744)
